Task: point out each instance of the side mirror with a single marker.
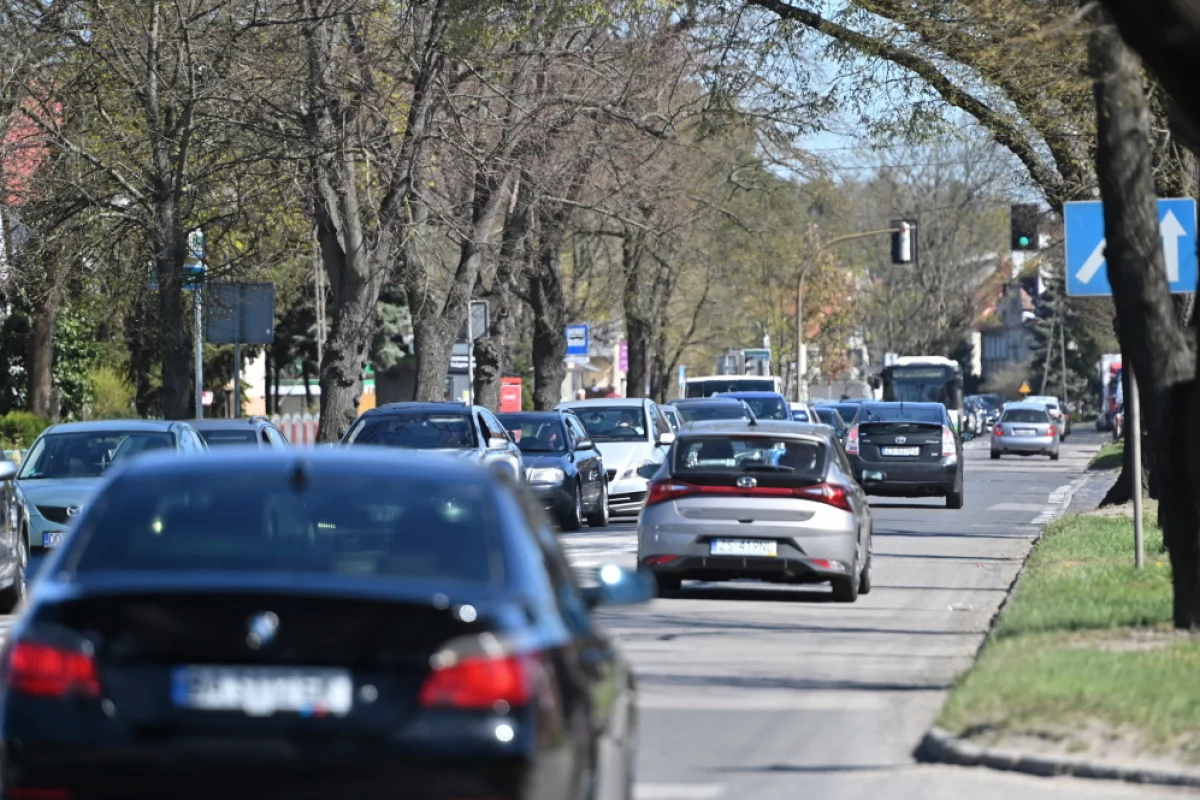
(497, 443)
(666, 438)
(620, 587)
(585, 444)
(647, 470)
(8, 470)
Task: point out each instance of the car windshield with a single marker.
(421, 430)
(1026, 415)
(87, 454)
(536, 433)
(738, 454)
(768, 407)
(613, 423)
(900, 414)
(218, 438)
(702, 412)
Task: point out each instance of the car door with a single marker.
(587, 460)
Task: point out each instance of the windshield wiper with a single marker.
(767, 468)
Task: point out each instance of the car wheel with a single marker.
(599, 517)
(995, 456)
(667, 583)
(846, 590)
(11, 597)
(572, 520)
(955, 499)
(1054, 456)
(864, 582)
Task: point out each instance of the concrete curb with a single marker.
(942, 747)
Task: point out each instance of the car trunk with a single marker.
(900, 442)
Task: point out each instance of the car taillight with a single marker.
(852, 441)
(481, 682)
(666, 490)
(949, 447)
(829, 493)
(998, 430)
(1054, 430)
(49, 671)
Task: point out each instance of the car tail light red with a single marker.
(828, 493)
(481, 681)
(46, 670)
(949, 445)
(663, 491)
(852, 441)
(1054, 430)
(997, 429)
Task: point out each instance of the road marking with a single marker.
(677, 791)
(760, 701)
(1057, 502)
(1016, 507)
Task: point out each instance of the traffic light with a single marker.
(1024, 226)
(904, 241)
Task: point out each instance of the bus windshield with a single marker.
(710, 386)
(922, 384)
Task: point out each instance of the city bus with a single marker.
(925, 379)
(718, 384)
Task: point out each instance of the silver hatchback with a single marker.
(1026, 429)
(773, 501)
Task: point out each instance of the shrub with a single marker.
(18, 429)
(112, 396)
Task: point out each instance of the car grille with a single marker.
(54, 513)
(611, 474)
(631, 497)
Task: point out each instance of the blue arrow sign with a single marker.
(579, 340)
(1083, 224)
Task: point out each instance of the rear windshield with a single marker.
(735, 454)
(722, 385)
(900, 414)
(238, 522)
(220, 438)
(1025, 415)
(421, 430)
(768, 407)
(704, 412)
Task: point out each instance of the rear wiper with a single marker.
(767, 468)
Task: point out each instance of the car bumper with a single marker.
(912, 479)
(554, 497)
(1024, 444)
(39, 528)
(627, 497)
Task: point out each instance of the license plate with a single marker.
(264, 691)
(901, 451)
(52, 538)
(743, 547)
(1024, 432)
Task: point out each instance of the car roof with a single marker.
(118, 425)
(555, 413)
(1040, 398)
(602, 402)
(764, 427)
(750, 393)
(1024, 404)
(896, 404)
(443, 406)
(716, 399)
(227, 423)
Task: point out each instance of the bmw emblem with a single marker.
(746, 482)
(262, 628)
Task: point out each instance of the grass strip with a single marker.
(1109, 457)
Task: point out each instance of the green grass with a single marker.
(1085, 639)
(1109, 457)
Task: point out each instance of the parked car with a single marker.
(765, 405)
(1025, 429)
(1061, 418)
(770, 500)
(906, 450)
(458, 429)
(366, 623)
(703, 409)
(630, 433)
(562, 466)
(256, 430)
(67, 462)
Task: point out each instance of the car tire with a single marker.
(571, 519)
(1054, 456)
(955, 499)
(864, 581)
(846, 590)
(11, 597)
(667, 582)
(599, 517)
(995, 456)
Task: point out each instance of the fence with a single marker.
(300, 429)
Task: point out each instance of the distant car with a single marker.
(774, 501)
(258, 431)
(562, 466)
(358, 623)
(801, 413)
(1061, 418)
(765, 405)
(1025, 429)
(455, 429)
(906, 450)
(67, 462)
(631, 433)
(847, 408)
(705, 409)
(829, 415)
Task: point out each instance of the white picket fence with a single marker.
(300, 429)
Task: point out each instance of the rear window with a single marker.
(736, 454)
(365, 526)
(414, 429)
(901, 414)
(221, 438)
(1025, 415)
(703, 413)
(768, 407)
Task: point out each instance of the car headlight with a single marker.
(544, 475)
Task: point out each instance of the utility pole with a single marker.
(1048, 359)
(1062, 346)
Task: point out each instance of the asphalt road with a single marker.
(754, 691)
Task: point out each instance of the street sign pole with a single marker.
(1133, 439)
(470, 357)
(237, 380)
(198, 324)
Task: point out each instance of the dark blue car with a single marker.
(765, 405)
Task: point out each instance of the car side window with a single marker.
(265, 435)
(485, 432)
(278, 438)
(578, 434)
(659, 424)
(493, 425)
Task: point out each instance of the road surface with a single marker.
(754, 691)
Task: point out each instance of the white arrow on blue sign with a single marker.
(1083, 224)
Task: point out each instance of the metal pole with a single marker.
(801, 361)
(237, 381)
(1133, 437)
(471, 356)
(199, 350)
(1062, 349)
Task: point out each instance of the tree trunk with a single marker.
(173, 323)
(549, 306)
(139, 336)
(43, 314)
(491, 351)
(1151, 337)
(638, 330)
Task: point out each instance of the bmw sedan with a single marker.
(362, 624)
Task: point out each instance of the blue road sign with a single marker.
(579, 340)
(1087, 274)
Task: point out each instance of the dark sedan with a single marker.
(708, 409)
(360, 623)
(829, 415)
(906, 450)
(562, 466)
(229, 432)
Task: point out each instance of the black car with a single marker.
(906, 450)
(847, 408)
(562, 466)
(707, 409)
(359, 623)
(829, 415)
(255, 430)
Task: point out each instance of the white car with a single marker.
(1060, 417)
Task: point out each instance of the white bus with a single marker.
(925, 379)
(717, 384)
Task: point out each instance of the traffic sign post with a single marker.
(1083, 226)
(579, 340)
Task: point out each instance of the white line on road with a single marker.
(1057, 502)
(760, 701)
(1016, 507)
(677, 791)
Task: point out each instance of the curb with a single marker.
(941, 747)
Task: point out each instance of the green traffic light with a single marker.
(1024, 240)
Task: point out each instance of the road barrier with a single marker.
(300, 429)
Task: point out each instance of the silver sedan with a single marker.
(1026, 429)
(774, 501)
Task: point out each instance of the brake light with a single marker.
(949, 446)
(1054, 430)
(48, 671)
(480, 682)
(829, 493)
(852, 441)
(997, 429)
(666, 490)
